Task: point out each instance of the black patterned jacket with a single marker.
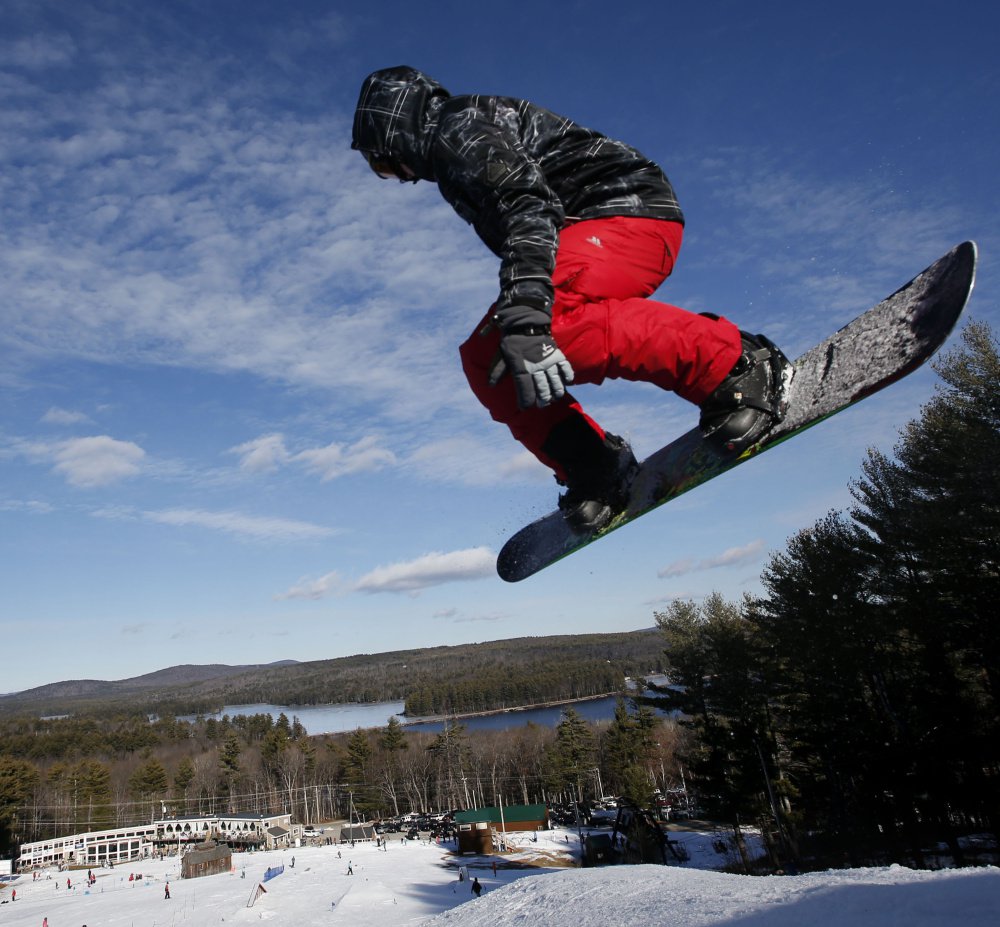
(516, 172)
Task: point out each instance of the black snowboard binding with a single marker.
(599, 474)
(751, 400)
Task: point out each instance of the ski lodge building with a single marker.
(166, 836)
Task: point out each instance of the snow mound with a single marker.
(656, 895)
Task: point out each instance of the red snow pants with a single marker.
(605, 324)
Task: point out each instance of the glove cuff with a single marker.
(525, 320)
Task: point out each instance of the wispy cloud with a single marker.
(262, 455)
(479, 619)
(408, 577)
(29, 506)
(336, 460)
(236, 524)
(37, 52)
(734, 556)
(799, 229)
(476, 462)
(314, 589)
(245, 526)
(269, 453)
(57, 416)
(135, 629)
(215, 236)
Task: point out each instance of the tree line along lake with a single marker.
(341, 718)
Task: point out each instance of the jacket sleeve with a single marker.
(493, 184)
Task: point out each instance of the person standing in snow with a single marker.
(586, 229)
(476, 887)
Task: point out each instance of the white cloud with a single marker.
(57, 416)
(314, 589)
(270, 452)
(97, 461)
(214, 237)
(480, 619)
(38, 51)
(733, 556)
(244, 526)
(433, 569)
(678, 568)
(262, 455)
(337, 460)
(473, 462)
(30, 506)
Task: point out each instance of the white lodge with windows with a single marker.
(169, 835)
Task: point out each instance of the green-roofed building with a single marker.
(476, 827)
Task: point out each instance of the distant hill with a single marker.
(183, 675)
(440, 678)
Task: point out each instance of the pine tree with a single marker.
(183, 778)
(229, 762)
(450, 751)
(628, 747)
(719, 684)
(18, 778)
(571, 758)
(148, 781)
(932, 517)
(357, 771)
(92, 794)
(830, 655)
(393, 743)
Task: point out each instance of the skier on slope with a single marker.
(586, 229)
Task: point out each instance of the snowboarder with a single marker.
(586, 229)
(476, 887)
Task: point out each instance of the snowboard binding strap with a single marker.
(751, 400)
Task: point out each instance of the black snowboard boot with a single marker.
(751, 400)
(599, 474)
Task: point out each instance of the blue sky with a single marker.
(233, 425)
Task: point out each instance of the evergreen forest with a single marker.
(850, 710)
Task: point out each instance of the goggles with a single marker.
(387, 167)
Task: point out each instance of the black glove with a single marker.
(528, 350)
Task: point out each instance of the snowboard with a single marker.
(876, 349)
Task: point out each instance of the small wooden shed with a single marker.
(357, 833)
(205, 859)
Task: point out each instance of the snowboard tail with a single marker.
(876, 349)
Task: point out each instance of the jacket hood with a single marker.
(396, 115)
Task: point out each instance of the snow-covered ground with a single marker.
(410, 883)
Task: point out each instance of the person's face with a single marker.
(387, 167)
